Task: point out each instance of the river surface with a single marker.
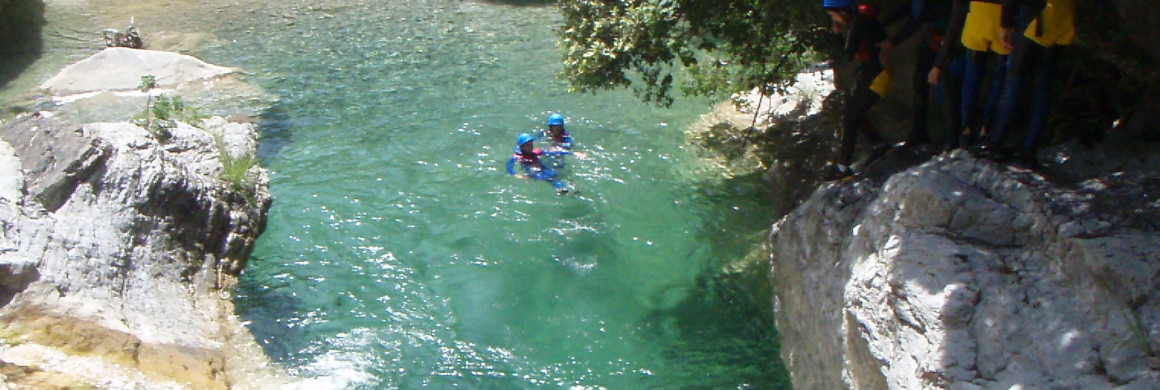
(399, 254)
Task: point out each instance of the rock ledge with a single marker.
(119, 250)
(963, 274)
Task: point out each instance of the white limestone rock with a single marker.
(961, 274)
(121, 246)
(119, 68)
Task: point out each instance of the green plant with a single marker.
(159, 128)
(236, 169)
(160, 117)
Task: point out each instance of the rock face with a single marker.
(116, 249)
(121, 68)
(963, 274)
(104, 86)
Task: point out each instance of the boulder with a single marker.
(119, 68)
(119, 248)
(963, 274)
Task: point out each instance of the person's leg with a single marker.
(972, 81)
(854, 122)
(998, 72)
(918, 133)
(850, 125)
(950, 84)
(1020, 61)
(1043, 73)
(549, 176)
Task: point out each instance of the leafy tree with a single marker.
(725, 45)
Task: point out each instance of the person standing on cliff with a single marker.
(980, 38)
(1034, 32)
(872, 79)
(947, 73)
(929, 16)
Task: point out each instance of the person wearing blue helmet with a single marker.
(930, 17)
(557, 133)
(559, 136)
(838, 10)
(528, 156)
(871, 82)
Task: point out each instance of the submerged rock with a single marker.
(118, 250)
(961, 273)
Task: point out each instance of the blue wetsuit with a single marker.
(564, 141)
(534, 167)
(561, 143)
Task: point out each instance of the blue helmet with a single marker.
(555, 120)
(524, 138)
(837, 3)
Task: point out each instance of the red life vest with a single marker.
(529, 158)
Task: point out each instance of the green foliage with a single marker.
(160, 117)
(148, 82)
(159, 128)
(725, 45)
(236, 169)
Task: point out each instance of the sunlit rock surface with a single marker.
(120, 251)
(121, 68)
(962, 273)
(105, 86)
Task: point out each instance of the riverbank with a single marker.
(962, 273)
(118, 250)
(122, 243)
(947, 271)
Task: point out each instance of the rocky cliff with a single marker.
(961, 273)
(117, 251)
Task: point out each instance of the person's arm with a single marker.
(1007, 21)
(511, 165)
(953, 35)
(557, 152)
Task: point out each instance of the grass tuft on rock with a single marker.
(236, 170)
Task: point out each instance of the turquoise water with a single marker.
(400, 255)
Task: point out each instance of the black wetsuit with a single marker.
(865, 33)
(951, 63)
(931, 17)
